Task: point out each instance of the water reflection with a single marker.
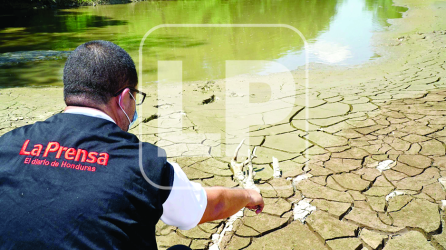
(48, 30)
(383, 10)
(55, 21)
(339, 33)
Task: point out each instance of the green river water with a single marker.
(34, 44)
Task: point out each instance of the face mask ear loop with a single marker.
(132, 97)
(119, 103)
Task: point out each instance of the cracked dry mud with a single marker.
(359, 203)
(372, 161)
(370, 157)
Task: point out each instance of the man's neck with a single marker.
(111, 109)
(97, 112)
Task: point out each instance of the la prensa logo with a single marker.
(67, 153)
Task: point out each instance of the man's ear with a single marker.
(123, 98)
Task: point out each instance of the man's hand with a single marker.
(256, 201)
(224, 202)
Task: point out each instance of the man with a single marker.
(74, 180)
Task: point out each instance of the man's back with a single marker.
(74, 181)
(79, 181)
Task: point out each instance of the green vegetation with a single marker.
(6, 5)
(384, 10)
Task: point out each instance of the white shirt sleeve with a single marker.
(186, 202)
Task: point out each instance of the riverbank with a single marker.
(370, 158)
(6, 5)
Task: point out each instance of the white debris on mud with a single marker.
(277, 172)
(246, 181)
(217, 238)
(443, 204)
(385, 165)
(249, 184)
(302, 209)
(300, 178)
(393, 194)
(442, 181)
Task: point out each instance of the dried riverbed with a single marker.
(373, 175)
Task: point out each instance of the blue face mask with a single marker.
(135, 116)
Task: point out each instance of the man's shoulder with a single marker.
(61, 123)
(73, 129)
(16, 131)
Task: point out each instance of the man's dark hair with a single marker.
(95, 71)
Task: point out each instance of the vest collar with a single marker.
(89, 112)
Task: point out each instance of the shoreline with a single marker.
(322, 76)
(64, 4)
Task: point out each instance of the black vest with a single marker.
(75, 182)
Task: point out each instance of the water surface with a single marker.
(338, 32)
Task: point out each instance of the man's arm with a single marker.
(224, 202)
(189, 204)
